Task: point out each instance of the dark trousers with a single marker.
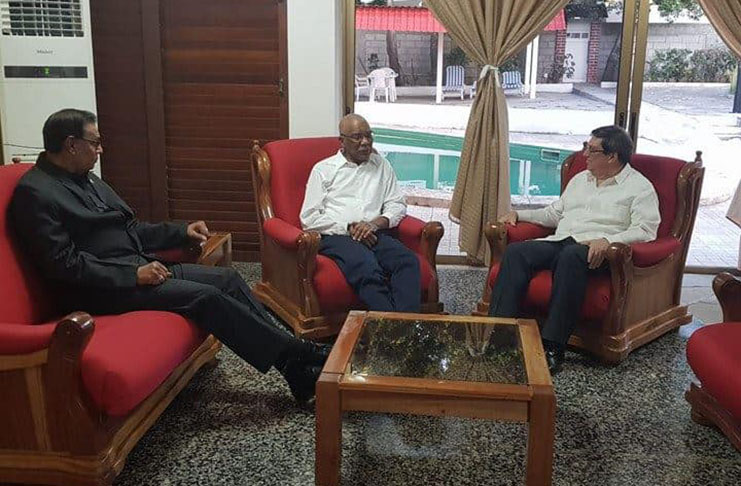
(216, 299)
(385, 276)
(568, 261)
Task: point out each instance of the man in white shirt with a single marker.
(352, 199)
(610, 202)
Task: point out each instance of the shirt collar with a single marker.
(43, 163)
(340, 160)
(618, 179)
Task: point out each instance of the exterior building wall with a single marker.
(418, 51)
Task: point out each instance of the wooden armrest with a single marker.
(496, 236)
(217, 250)
(727, 289)
(73, 429)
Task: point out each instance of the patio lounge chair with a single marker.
(384, 80)
(512, 80)
(454, 80)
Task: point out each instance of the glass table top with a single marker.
(439, 350)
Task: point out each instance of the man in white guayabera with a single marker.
(610, 202)
(353, 200)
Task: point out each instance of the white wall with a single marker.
(315, 65)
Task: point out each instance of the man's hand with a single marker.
(597, 252)
(509, 218)
(364, 232)
(153, 273)
(197, 231)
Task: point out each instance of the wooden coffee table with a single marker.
(426, 364)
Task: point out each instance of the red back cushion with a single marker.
(291, 162)
(663, 173)
(24, 299)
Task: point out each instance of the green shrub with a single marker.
(712, 65)
(705, 65)
(669, 65)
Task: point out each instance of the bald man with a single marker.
(353, 201)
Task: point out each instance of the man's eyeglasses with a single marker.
(358, 137)
(95, 143)
(589, 150)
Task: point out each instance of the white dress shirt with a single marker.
(340, 192)
(623, 209)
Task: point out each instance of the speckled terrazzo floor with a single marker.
(627, 425)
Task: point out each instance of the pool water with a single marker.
(431, 161)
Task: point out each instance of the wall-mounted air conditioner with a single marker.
(46, 58)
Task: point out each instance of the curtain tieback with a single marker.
(485, 70)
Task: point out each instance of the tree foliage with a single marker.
(669, 9)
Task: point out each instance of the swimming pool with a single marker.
(431, 161)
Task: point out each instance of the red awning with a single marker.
(399, 19)
(557, 23)
(416, 19)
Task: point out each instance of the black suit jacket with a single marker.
(79, 240)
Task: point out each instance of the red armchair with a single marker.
(714, 354)
(306, 289)
(78, 392)
(639, 300)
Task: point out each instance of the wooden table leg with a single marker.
(328, 430)
(540, 438)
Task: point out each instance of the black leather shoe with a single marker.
(309, 352)
(301, 379)
(554, 358)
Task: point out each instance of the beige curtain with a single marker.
(725, 15)
(489, 32)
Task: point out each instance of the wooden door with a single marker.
(223, 63)
(205, 79)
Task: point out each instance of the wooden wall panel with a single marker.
(222, 66)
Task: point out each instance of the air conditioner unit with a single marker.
(46, 55)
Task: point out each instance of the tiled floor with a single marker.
(714, 242)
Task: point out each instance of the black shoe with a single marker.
(301, 379)
(309, 352)
(554, 358)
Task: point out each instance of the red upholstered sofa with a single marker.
(308, 290)
(639, 300)
(78, 392)
(714, 354)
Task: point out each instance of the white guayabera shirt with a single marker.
(624, 209)
(340, 192)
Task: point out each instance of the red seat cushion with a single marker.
(25, 338)
(714, 354)
(131, 354)
(334, 293)
(538, 297)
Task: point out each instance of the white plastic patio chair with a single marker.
(454, 80)
(384, 80)
(361, 82)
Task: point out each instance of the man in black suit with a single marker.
(88, 243)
